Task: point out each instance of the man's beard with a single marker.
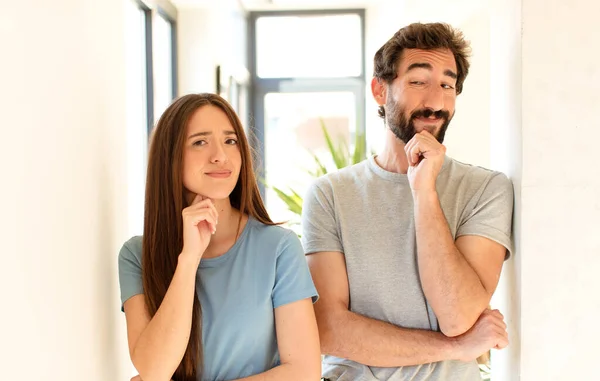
(404, 128)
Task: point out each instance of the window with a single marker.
(137, 92)
(298, 46)
(150, 86)
(307, 69)
(164, 57)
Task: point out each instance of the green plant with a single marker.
(485, 371)
(341, 157)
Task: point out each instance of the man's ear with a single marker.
(379, 90)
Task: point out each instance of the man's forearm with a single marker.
(450, 284)
(286, 372)
(377, 343)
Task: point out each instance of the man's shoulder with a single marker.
(475, 174)
(346, 176)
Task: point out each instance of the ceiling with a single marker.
(252, 5)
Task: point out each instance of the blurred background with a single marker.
(83, 82)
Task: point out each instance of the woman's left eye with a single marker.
(231, 141)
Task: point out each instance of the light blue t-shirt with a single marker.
(238, 291)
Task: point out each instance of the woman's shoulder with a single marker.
(271, 233)
(273, 230)
(132, 249)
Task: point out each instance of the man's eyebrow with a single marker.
(425, 65)
(450, 74)
(419, 65)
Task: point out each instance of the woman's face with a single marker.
(211, 154)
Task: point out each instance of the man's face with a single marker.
(423, 95)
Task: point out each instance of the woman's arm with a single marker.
(157, 344)
(298, 344)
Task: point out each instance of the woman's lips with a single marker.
(219, 174)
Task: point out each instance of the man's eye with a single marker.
(446, 86)
(417, 82)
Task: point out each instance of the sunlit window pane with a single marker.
(163, 68)
(136, 113)
(308, 46)
(293, 134)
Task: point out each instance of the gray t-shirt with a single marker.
(238, 291)
(367, 213)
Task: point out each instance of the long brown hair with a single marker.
(165, 199)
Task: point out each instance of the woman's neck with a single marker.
(228, 229)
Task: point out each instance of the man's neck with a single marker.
(393, 158)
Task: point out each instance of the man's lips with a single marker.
(429, 120)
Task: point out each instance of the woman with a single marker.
(213, 290)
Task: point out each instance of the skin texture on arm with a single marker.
(459, 278)
(157, 344)
(298, 344)
(367, 341)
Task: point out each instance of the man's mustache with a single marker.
(427, 113)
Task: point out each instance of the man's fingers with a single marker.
(412, 152)
(427, 135)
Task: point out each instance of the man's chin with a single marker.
(431, 129)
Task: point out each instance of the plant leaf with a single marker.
(359, 149)
(338, 161)
(321, 169)
(344, 154)
(293, 201)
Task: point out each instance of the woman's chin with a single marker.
(218, 197)
(217, 194)
(211, 194)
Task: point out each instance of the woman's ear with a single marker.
(379, 90)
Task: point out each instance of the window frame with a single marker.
(166, 10)
(259, 87)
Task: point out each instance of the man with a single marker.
(406, 248)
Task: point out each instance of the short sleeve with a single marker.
(319, 225)
(130, 269)
(293, 281)
(491, 214)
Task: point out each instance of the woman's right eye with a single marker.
(199, 143)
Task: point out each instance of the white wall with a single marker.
(560, 240)
(468, 136)
(546, 80)
(63, 189)
(507, 156)
(211, 35)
